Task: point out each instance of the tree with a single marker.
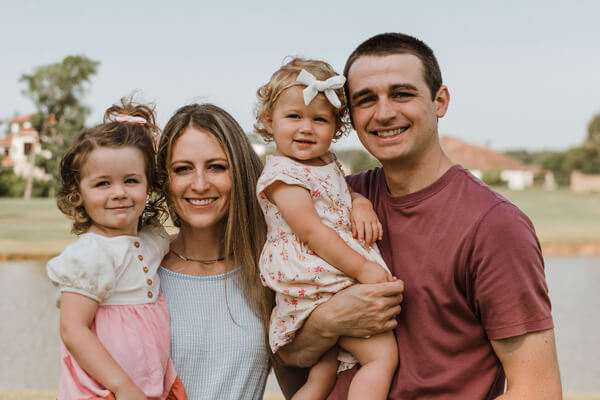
(362, 161)
(57, 90)
(522, 155)
(593, 138)
(583, 159)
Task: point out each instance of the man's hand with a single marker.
(358, 311)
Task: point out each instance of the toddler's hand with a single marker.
(366, 227)
(371, 272)
(130, 392)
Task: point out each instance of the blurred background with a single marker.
(524, 117)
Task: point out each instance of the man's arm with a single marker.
(290, 379)
(358, 311)
(531, 366)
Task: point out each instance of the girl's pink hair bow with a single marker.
(131, 119)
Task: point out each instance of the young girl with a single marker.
(310, 251)
(114, 322)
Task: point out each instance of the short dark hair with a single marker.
(389, 43)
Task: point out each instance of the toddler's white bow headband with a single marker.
(314, 86)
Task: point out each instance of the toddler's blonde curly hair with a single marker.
(285, 77)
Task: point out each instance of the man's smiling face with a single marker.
(392, 108)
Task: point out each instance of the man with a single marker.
(475, 301)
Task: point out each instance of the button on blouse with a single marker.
(112, 270)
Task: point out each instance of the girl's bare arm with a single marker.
(76, 315)
(297, 208)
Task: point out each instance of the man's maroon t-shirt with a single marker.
(473, 272)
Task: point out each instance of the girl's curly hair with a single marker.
(113, 134)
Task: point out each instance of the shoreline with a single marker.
(549, 249)
(563, 249)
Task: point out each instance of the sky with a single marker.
(521, 74)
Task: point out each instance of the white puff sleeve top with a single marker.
(112, 270)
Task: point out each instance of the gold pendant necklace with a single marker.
(207, 262)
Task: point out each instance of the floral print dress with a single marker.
(300, 278)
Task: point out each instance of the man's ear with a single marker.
(442, 99)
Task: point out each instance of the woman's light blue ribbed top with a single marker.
(214, 357)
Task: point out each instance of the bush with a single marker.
(492, 178)
(10, 184)
(357, 160)
(363, 161)
(14, 186)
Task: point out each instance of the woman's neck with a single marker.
(200, 244)
(193, 244)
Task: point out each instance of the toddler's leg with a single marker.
(321, 378)
(378, 357)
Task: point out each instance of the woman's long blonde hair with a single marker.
(245, 231)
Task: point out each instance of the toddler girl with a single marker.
(114, 322)
(310, 251)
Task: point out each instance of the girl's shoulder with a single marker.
(329, 157)
(87, 244)
(157, 237)
(276, 161)
(86, 266)
(93, 264)
(284, 169)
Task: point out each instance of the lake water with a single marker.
(29, 337)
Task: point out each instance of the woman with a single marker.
(219, 309)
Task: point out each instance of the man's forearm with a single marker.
(310, 342)
(358, 311)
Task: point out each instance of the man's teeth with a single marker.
(391, 133)
(203, 202)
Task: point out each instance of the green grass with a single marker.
(36, 228)
(560, 216)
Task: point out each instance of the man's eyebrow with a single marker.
(404, 86)
(399, 86)
(361, 93)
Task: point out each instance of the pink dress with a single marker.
(132, 319)
(300, 278)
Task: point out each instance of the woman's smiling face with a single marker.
(199, 180)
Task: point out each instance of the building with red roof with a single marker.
(16, 148)
(479, 160)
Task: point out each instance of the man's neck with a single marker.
(407, 176)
